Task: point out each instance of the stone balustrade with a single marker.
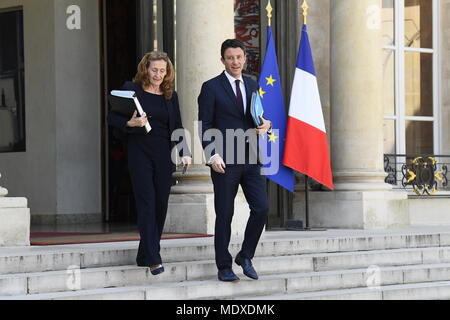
(3, 191)
(14, 220)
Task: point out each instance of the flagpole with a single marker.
(306, 203)
(305, 15)
(305, 8)
(269, 10)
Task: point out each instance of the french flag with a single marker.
(306, 148)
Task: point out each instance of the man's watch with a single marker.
(270, 129)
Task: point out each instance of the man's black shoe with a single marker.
(247, 267)
(228, 275)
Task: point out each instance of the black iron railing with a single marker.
(423, 174)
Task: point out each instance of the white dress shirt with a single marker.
(244, 96)
(241, 86)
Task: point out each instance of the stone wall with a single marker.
(60, 172)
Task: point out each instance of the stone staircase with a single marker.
(291, 266)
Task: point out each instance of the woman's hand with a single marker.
(187, 162)
(136, 121)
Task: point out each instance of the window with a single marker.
(12, 91)
(410, 77)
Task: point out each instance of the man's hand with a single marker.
(136, 121)
(265, 127)
(217, 164)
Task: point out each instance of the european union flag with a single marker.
(272, 100)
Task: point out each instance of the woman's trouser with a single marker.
(151, 178)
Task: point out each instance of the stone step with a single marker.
(415, 291)
(369, 279)
(101, 277)
(313, 262)
(104, 277)
(205, 289)
(181, 287)
(53, 258)
(392, 257)
(292, 282)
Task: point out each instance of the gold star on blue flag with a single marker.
(273, 105)
(261, 92)
(271, 81)
(272, 137)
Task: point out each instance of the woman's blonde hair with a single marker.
(168, 84)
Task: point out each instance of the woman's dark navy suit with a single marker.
(151, 167)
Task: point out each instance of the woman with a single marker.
(149, 155)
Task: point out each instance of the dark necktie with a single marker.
(239, 98)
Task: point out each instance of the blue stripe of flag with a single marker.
(305, 60)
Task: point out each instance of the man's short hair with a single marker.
(232, 43)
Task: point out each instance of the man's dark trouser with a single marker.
(225, 190)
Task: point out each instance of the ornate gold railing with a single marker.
(424, 174)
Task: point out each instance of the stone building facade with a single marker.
(383, 79)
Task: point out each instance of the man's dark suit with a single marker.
(219, 109)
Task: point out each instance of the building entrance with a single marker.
(120, 58)
(130, 29)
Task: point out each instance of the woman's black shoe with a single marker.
(155, 270)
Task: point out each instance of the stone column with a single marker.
(202, 26)
(356, 95)
(15, 221)
(199, 38)
(361, 199)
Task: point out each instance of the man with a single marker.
(224, 105)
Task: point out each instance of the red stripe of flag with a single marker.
(311, 146)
